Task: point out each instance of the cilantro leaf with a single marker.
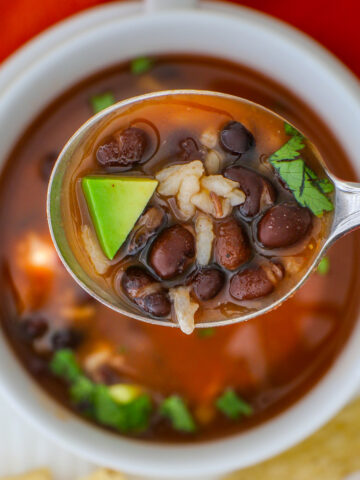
(101, 101)
(307, 188)
(141, 65)
(325, 185)
(324, 266)
(291, 131)
(82, 390)
(302, 186)
(64, 364)
(106, 411)
(132, 416)
(292, 172)
(231, 405)
(175, 409)
(313, 199)
(290, 149)
(138, 413)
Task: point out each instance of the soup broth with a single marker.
(105, 366)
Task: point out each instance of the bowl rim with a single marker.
(208, 463)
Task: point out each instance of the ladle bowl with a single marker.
(346, 216)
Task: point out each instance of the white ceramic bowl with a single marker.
(60, 57)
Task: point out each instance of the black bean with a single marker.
(189, 150)
(132, 143)
(172, 251)
(157, 304)
(250, 283)
(207, 283)
(134, 280)
(231, 247)
(108, 154)
(236, 138)
(143, 289)
(126, 149)
(145, 228)
(66, 338)
(284, 225)
(258, 190)
(33, 327)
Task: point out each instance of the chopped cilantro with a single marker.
(141, 65)
(101, 101)
(138, 413)
(324, 266)
(64, 365)
(231, 405)
(306, 187)
(205, 332)
(175, 409)
(107, 411)
(82, 390)
(130, 416)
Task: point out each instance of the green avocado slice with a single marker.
(115, 204)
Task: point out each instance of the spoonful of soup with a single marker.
(194, 208)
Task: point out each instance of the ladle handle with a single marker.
(347, 209)
(153, 5)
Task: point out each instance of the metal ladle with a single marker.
(346, 216)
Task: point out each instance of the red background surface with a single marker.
(334, 23)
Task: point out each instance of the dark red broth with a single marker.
(270, 362)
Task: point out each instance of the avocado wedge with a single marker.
(115, 204)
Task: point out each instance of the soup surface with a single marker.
(144, 380)
(195, 207)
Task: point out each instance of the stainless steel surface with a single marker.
(346, 218)
(347, 208)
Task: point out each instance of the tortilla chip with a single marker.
(332, 453)
(40, 474)
(104, 474)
